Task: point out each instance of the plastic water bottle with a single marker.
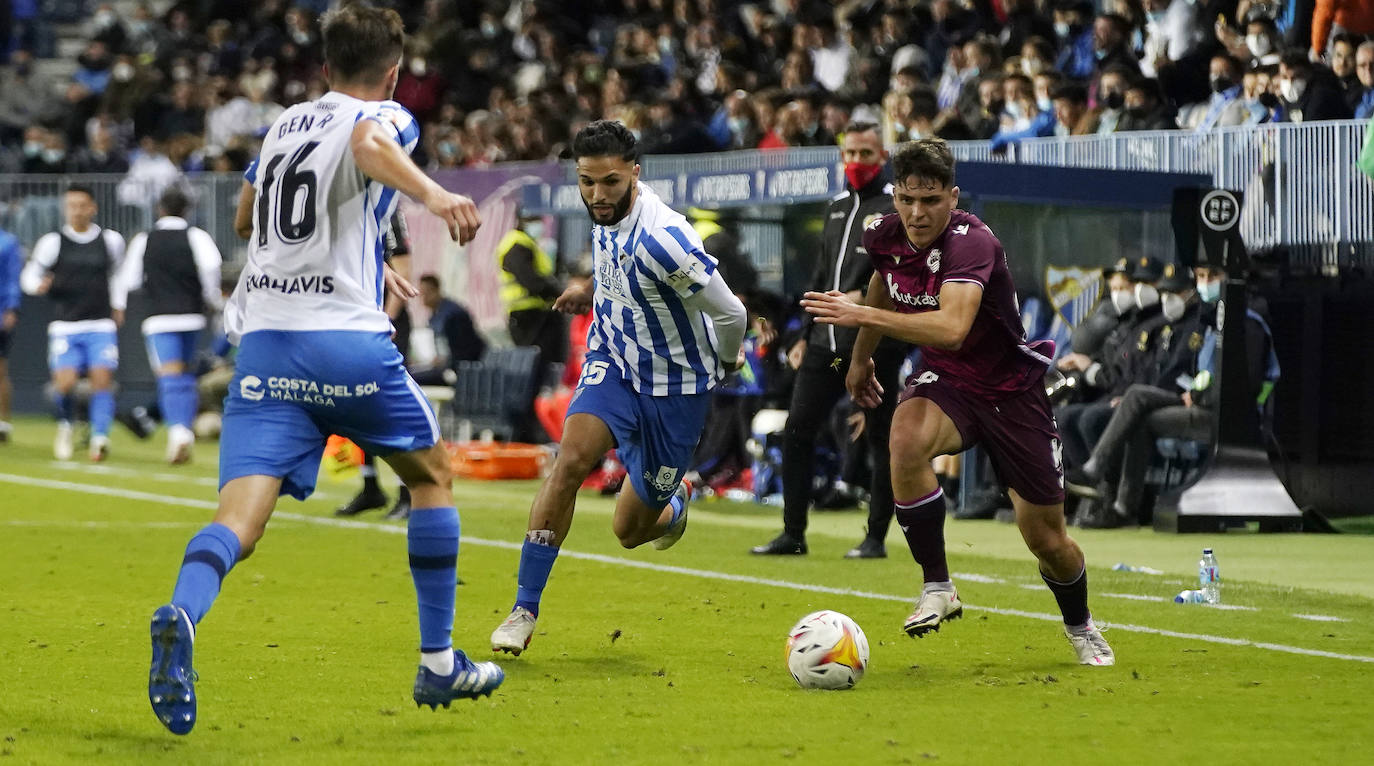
(1209, 577)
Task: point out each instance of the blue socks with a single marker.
(63, 403)
(676, 502)
(536, 562)
(432, 538)
(102, 412)
(209, 557)
(178, 399)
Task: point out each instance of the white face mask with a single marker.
(1173, 305)
(418, 67)
(1044, 104)
(1123, 301)
(1292, 90)
(1146, 295)
(1032, 67)
(1259, 45)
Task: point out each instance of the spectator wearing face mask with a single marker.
(1023, 24)
(1174, 352)
(1261, 44)
(1225, 107)
(1110, 104)
(1180, 401)
(1022, 116)
(1076, 60)
(1310, 91)
(1120, 362)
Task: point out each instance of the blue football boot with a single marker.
(469, 680)
(171, 681)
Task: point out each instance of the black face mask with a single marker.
(1222, 84)
(997, 106)
(1137, 113)
(1114, 100)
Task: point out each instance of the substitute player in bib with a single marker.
(665, 330)
(315, 355)
(177, 267)
(77, 267)
(941, 281)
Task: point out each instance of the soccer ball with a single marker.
(826, 650)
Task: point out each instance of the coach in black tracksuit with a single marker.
(822, 355)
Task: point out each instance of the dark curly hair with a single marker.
(926, 159)
(605, 138)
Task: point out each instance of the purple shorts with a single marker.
(1019, 434)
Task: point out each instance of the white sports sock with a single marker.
(440, 663)
(946, 585)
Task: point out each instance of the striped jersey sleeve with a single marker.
(675, 256)
(398, 121)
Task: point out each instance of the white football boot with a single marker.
(1089, 645)
(933, 608)
(62, 442)
(514, 633)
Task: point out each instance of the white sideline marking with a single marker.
(1320, 618)
(703, 573)
(1135, 596)
(100, 524)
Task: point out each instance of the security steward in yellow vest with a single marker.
(528, 290)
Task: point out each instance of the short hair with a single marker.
(928, 158)
(1122, 24)
(1232, 63)
(1148, 86)
(1296, 60)
(174, 202)
(362, 42)
(924, 105)
(431, 280)
(81, 189)
(605, 138)
(1072, 92)
(861, 126)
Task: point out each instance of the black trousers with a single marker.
(819, 386)
(1080, 427)
(1145, 413)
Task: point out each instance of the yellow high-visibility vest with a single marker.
(514, 296)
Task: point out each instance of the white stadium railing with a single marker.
(1300, 181)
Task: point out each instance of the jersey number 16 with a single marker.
(291, 194)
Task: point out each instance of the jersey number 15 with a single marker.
(291, 195)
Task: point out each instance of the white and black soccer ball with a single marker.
(827, 650)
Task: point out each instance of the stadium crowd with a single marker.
(191, 86)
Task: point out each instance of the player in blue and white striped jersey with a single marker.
(315, 355)
(665, 330)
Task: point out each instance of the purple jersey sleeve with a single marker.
(971, 253)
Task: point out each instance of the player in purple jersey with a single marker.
(941, 281)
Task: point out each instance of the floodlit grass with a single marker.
(309, 654)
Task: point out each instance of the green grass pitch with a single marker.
(654, 657)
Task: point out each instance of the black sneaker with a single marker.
(366, 500)
(401, 510)
(868, 549)
(782, 545)
(138, 421)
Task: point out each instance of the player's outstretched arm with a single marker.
(576, 298)
(728, 315)
(862, 378)
(944, 328)
(382, 159)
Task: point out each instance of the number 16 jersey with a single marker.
(315, 256)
